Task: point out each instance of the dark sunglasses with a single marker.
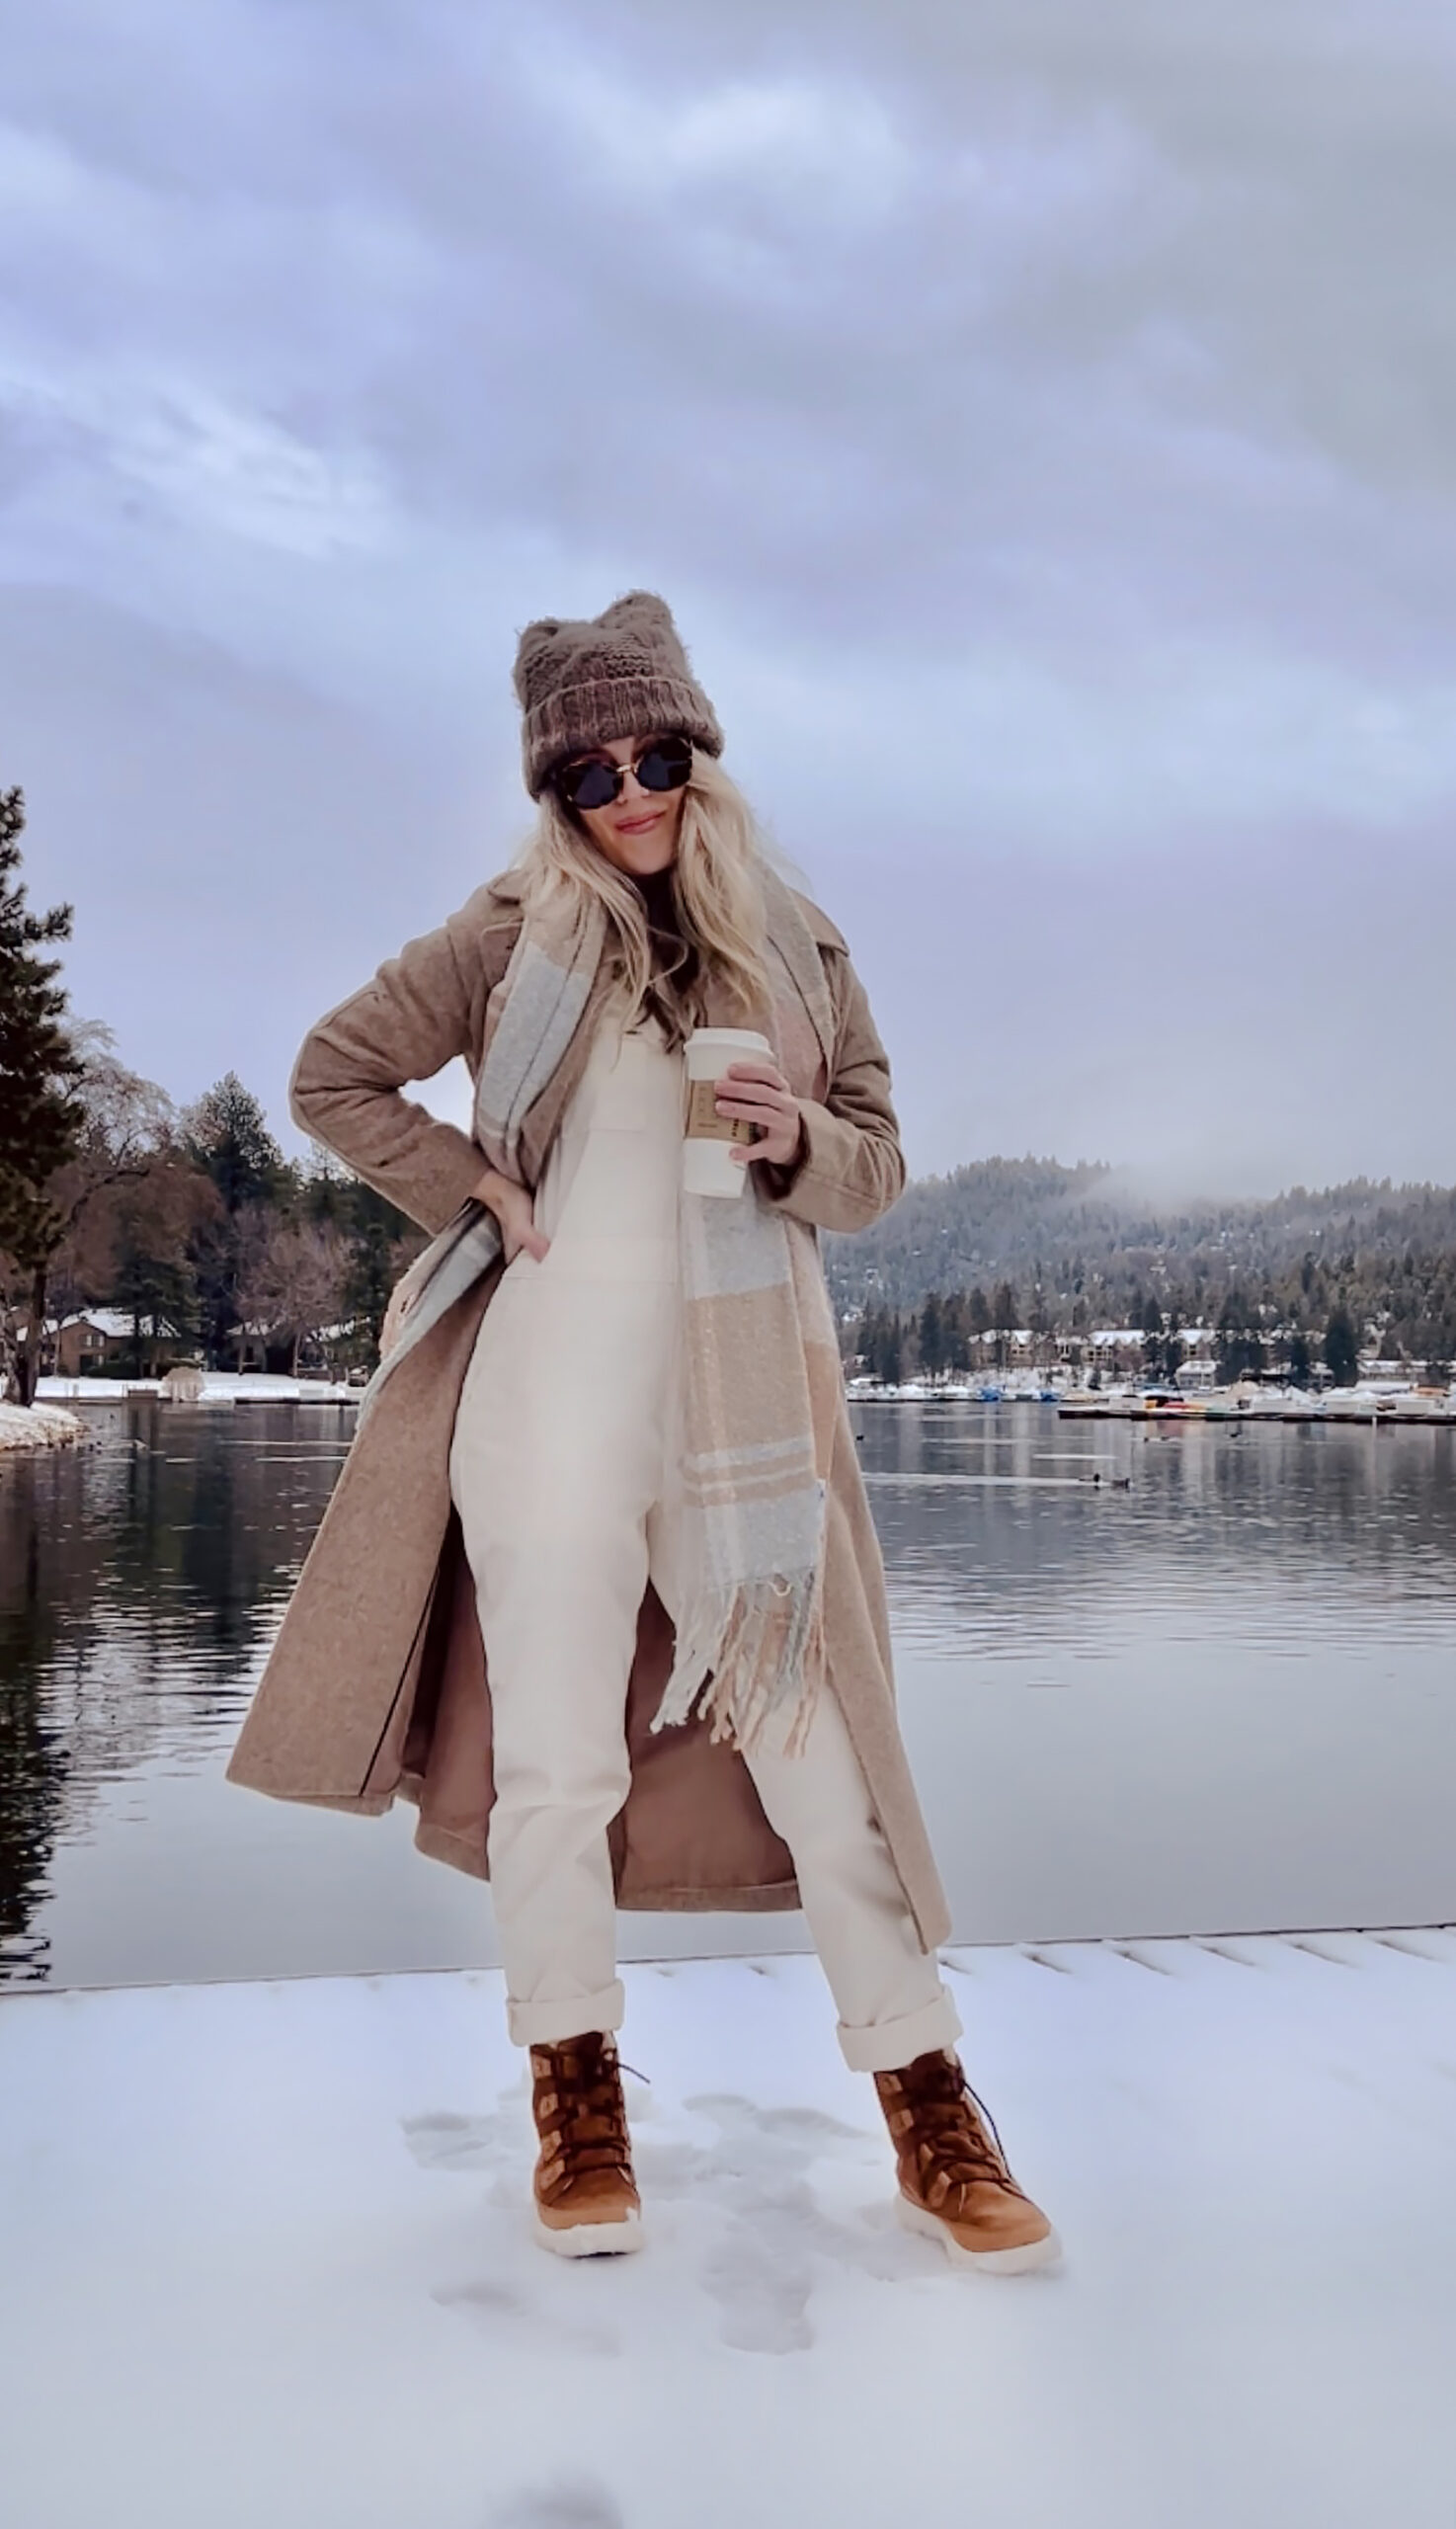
(663, 766)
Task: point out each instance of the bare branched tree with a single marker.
(291, 1278)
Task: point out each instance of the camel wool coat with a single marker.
(376, 1684)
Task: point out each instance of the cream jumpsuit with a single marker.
(563, 1468)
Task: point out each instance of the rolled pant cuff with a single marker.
(892, 2043)
(550, 2023)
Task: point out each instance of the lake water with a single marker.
(1213, 1691)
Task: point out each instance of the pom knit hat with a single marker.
(620, 671)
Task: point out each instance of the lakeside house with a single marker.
(106, 1342)
(1196, 1375)
(96, 1340)
(1116, 1350)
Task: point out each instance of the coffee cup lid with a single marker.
(733, 1036)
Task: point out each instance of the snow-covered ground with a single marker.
(265, 2258)
(38, 1427)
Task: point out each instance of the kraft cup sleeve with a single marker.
(703, 1123)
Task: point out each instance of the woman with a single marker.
(598, 1587)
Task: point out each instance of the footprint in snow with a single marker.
(753, 2174)
(761, 2273)
(477, 2142)
(521, 2290)
(501, 2308)
(572, 2502)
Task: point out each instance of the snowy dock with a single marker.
(1387, 1409)
(265, 2258)
(217, 1387)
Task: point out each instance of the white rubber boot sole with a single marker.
(1022, 2261)
(591, 2239)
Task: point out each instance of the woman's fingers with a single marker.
(778, 1146)
(533, 1239)
(769, 1111)
(518, 1227)
(757, 1092)
(756, 1089)
(755, 1069)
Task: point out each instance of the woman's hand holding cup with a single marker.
(739, 1107)
(757, 1090)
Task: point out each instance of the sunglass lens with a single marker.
(666, 765)
(590, 785)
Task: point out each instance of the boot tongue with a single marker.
(932, 2077)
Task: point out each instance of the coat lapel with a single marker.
(790, 934)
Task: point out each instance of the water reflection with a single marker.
(33, 1753)
(1245, 1627)
(1006, 1530)
(141, 1583)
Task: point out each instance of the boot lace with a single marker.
(954, 2135)
(589, 2119)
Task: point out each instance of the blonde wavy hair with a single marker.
(717, 881)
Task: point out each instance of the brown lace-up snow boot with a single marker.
(955, 2185)
(585, 2199)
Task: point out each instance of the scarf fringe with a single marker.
(749, 1657)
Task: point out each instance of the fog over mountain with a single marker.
(1041, 421)
(1066, 1236)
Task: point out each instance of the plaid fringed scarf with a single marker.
(750, 1651)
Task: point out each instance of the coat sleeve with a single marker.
(852, 1167)
(422, 1008)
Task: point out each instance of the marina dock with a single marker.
(1343, 1406)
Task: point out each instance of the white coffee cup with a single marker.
(708, 1166)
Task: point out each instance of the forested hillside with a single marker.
(1076, 1248)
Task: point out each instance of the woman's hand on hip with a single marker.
(514, 1208)
(756, 1090)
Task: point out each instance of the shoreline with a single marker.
(42, 1426)
(217, 1387)
(1365, 1402)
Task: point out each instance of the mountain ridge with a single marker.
(1084, 1234)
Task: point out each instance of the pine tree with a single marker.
(931, 1341)
(227, 1134)
(1439, 1339)
(373, 1262)
(227, 1137)
(1005, 1311)
(1239, 1340)
(41, 1119)
(159, 1294)
(957, 1333)
(1149, 1316)
(1342, 1347)
(890, 1364)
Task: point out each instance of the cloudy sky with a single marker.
(1041, 420)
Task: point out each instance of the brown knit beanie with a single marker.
(621, 670)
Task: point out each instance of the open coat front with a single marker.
(376, 1683)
